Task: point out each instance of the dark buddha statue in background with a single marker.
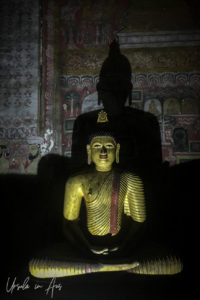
(137, 131)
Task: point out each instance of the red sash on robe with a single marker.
(114, 203)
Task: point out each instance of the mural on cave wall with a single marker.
(22, 141)
(20, 144)
(84, 29)
(172, 97)
(86, 23)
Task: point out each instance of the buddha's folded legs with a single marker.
(45, 268)
(59, 260)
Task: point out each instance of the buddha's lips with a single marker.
(103, 156)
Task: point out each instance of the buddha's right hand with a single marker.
(104, 251)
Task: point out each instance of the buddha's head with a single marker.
(103, 151)
(102, 148)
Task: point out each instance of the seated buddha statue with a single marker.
(115, 217)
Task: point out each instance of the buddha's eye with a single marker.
(109, 146)
(96, 146)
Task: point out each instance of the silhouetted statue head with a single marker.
(114, 86)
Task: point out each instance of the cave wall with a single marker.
(161, 41)
(51, 55)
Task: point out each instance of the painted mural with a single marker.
(19, 100)
(167, 98)
(85, 28)
(26, 99)
(164, 82)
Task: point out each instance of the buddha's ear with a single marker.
(89, 154)
(117, 153)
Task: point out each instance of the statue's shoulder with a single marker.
(80, 177)
(129, 174)
(130, 177)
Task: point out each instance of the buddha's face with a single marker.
(103, 152)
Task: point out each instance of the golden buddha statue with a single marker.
(111, 196)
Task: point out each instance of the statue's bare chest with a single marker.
(97, 190)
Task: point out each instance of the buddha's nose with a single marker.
(103, 150)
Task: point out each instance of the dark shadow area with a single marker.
(31, 211)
